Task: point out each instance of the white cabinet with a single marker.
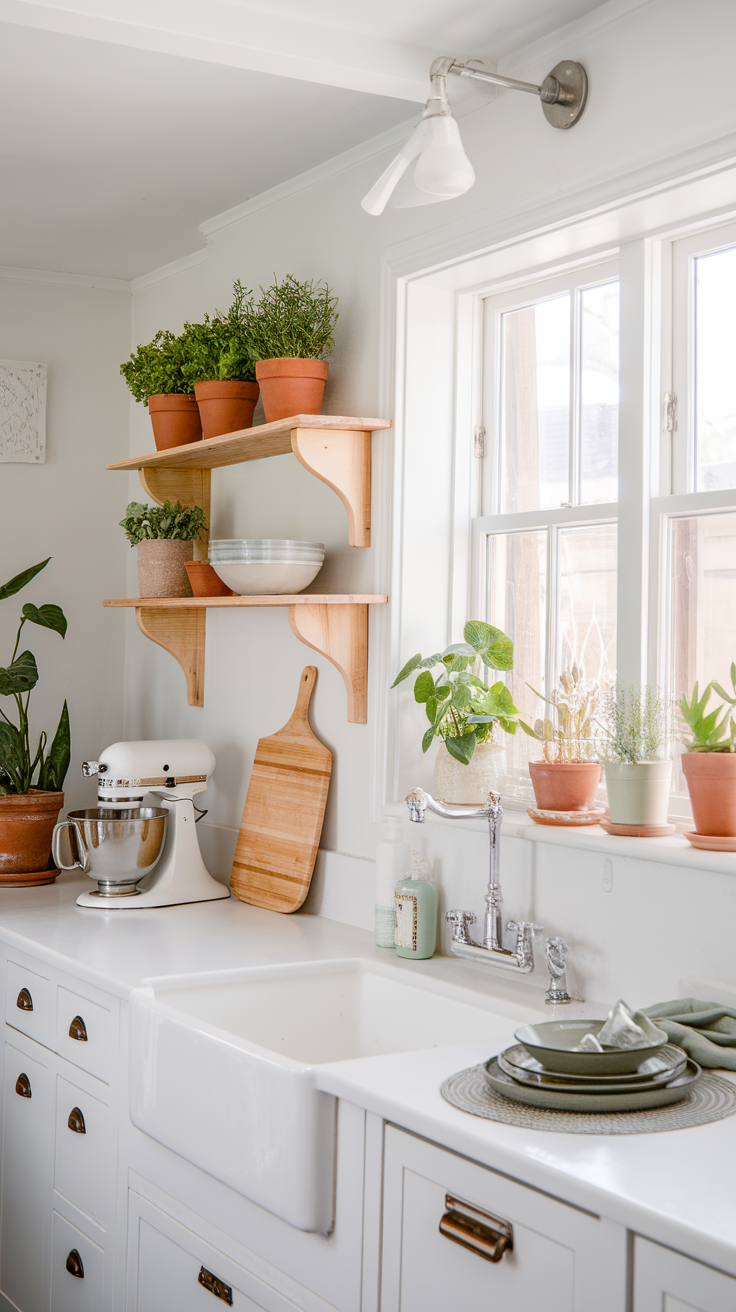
(665, 1281)
(77, 1269)
(445, 1218)
(28, 1112)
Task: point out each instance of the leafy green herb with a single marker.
(711, 732)
(634, 722)
(157, 369)
(177, 522)
(18, 765)
(220, 348)
(457, 700)
(292, 320)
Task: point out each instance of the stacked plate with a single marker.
(266, 566)
(547, 1068)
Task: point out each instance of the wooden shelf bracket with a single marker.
(181, 633)
(341, 634)
(341, 458)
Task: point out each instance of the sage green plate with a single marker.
(632, 1100)
(553, 1043)
(517, 1063)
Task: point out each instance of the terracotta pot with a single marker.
(291, 387)
(175, 420)
(205, 581)
(26, 824)
(565, 785)
(225, 407)
(457, 784)
(638, 793)
(711, 783)
(162, 568)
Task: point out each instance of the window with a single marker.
(547, 534)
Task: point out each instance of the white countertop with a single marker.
(674, 1187)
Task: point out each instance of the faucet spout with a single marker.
(418, 801)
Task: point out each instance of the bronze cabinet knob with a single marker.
(74, 1265)
(23, 1086)
(78, 1030)
(24, 1001)
(76, 1121)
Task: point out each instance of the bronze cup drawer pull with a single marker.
(24, 1001)
(215, 1286)
(76, 1121)
(78, 1030)
(486, 1235)
(75, 1265)
(23, 1086)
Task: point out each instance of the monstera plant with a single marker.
(31, 778)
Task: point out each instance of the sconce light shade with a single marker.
(443, 169)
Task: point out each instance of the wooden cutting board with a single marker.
(283, 813)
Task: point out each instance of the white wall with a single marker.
(640, 124)
(68, 508)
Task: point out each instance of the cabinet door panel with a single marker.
(75, 1293)
(84, 1164)
(27, 1149)
(96, 1052)
(29, 1004)
(665, 1281)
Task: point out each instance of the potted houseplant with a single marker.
(709, 759)
(219, 365)
(291, 331)
(567, 777)
(155, 375)
(638, 772)
(164, 536)
(30, 781)
(463, 711)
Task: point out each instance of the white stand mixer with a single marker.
(174, 770)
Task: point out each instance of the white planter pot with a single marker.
(638, 794)
(470, 784)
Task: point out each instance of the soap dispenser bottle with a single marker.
(392, 862)
(416, 911)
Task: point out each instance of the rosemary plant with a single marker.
(634, 724)
(292, 320)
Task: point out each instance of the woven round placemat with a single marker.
(712, 1099)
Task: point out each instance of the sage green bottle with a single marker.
(416, 911)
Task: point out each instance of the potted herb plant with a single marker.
(567, 777)
(164, 536)
(220, 367)
(463, 711)
(30, 781)
(638, 772)
(155, 375)
(709, 759)
(291, 331)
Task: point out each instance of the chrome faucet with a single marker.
(491, 950)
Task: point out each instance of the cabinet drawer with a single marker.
(443, 1217)
(86, 1034)
(29, 1004)
(670, 1282)
(177, 1270)
(27, 1119)
(70, 1248)
(84, 1164)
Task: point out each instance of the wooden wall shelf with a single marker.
(334, 625)
(335, 448)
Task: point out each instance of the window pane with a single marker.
(517, 603)
(599, 313)
(702, 638)
(587, 612)
(715, 352)
(535, 406)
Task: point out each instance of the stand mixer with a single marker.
(143, 856)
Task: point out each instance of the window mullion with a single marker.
(575, 396)
(553, 603)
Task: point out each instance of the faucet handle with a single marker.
(460, 921)
(525, 931)
(556, 950)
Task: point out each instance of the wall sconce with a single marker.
(443, 170)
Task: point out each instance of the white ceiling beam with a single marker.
(218, 32)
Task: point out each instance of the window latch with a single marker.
(669, 412)
(479, 441)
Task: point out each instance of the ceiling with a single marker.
(127, 123)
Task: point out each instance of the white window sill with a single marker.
(674, 851)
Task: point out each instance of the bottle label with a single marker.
(406, 920)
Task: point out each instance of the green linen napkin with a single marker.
(706, 1030)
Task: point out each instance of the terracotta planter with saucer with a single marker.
(175, 419)
(711, 783)
(26, 824)
(565, 785)
(291, 386)
(225, 407)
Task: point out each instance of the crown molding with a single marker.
(69, 279)
(613, 11)
(171, 270)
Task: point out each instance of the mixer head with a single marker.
(171, 767)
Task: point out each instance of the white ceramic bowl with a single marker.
(283, 549)
(266, 578)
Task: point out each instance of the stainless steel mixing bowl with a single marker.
(117, 848)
